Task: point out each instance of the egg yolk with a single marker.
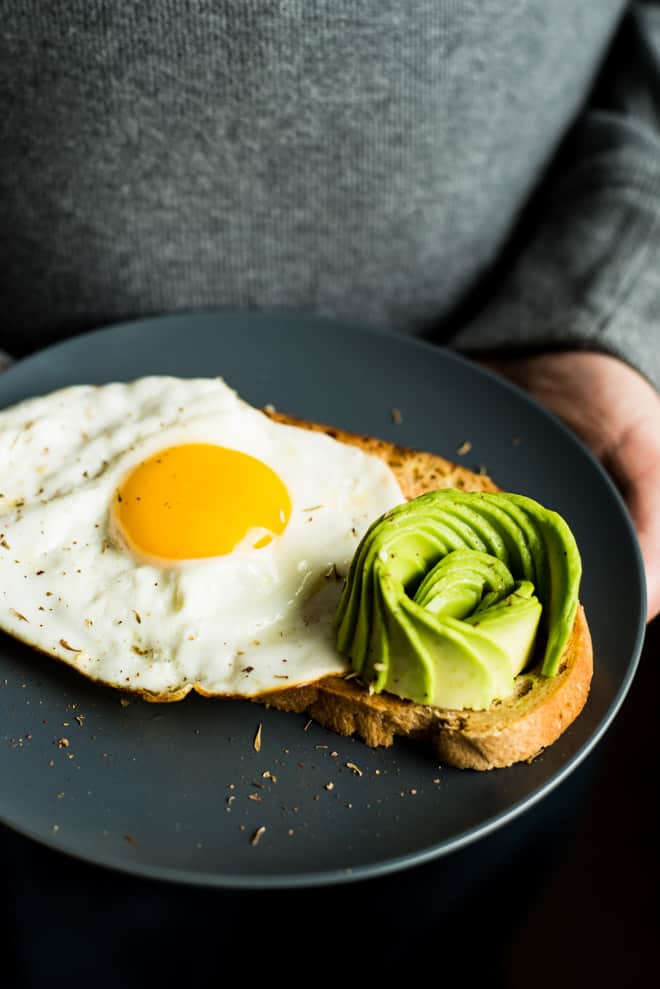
(199, 500)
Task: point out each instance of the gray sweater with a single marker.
(485, 172)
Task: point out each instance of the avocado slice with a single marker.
(512, 624)
(446, 592)
(462, 581)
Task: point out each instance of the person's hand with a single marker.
(616, 412)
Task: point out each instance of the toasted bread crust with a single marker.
(512, 730)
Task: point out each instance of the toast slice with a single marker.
(512, 730)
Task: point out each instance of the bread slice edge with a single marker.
(512, 730)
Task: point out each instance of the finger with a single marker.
(635, 465)
(642, 503)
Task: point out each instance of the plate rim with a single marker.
(392, 864)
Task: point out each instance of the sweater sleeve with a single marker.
(587, 275)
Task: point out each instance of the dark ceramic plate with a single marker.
(145, 788)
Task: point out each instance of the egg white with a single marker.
(241, 624)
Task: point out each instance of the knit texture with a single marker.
(364, 159)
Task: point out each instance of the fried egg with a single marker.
(163, 535)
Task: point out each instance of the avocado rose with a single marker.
(450, 595)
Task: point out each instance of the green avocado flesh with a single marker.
(446, 594)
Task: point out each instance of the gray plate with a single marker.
(145, 788)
